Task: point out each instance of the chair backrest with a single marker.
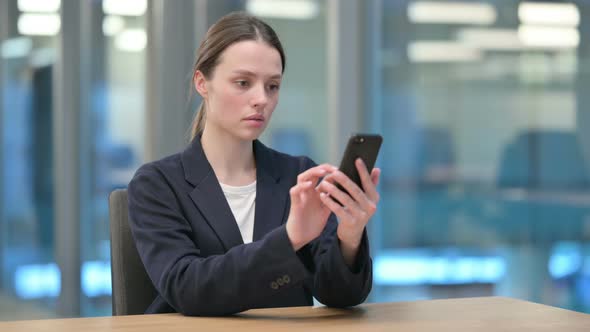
(133, 290)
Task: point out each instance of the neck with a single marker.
(232, 159)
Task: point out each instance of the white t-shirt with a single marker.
(242, 201)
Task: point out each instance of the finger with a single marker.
(314, 173)
(363, 172)
(375, 175)
(336, 208)
(338, 194)
(352, 188)
(297, 190)
(367, 181)
(305, 188)
(359, 211)
(294, 193)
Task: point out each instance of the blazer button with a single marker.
(274, 285)
(286, 279)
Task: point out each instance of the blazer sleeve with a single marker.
(194, 285)
(335, 284)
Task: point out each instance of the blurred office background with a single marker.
(483, 105)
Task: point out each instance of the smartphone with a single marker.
(364, 146)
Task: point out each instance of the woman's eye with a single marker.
(242, 83)
(274, 87)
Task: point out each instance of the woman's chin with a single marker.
(247, 136)
(251, 134)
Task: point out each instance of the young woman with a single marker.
(230, 224)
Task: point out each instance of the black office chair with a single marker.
(133, 290)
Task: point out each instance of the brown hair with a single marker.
(230, 29)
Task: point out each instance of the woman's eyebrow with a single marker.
(244, 72)
(250, 73)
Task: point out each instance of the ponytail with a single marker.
(198, 121)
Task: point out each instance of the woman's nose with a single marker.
(259, 97)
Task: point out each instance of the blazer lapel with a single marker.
(208, 196)
(270, 199)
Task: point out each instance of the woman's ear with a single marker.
(200, 83)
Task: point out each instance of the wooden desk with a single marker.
(473, 314)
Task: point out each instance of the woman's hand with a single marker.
(358, 205)
(308, 215)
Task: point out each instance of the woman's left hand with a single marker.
(358, 205)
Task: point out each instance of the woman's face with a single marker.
(243, 90)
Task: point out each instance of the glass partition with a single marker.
(29, 276)
(486, 184)
(112, 136)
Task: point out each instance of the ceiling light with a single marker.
(112, 25)
(39, 6)
(451, 12)
(563, 14)
(286, 9)
(39, 24)
(124, 7)
(491, 39)
(549, 37)
(442, 51)
(131, 40)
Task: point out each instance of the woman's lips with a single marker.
(256, 121)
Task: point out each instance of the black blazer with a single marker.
(193, 251)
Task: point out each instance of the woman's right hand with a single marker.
(308, 214)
